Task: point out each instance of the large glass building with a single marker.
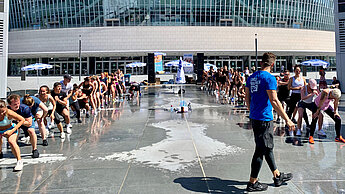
(117, 32)
(38, 14)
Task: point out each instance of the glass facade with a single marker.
(96, 65)
(43, 14)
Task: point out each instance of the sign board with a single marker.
(158, 63)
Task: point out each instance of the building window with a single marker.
(2, 5)
(341, 6)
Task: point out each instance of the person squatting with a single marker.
(53, 106)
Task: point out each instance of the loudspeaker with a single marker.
(200, 66)
(151, 68)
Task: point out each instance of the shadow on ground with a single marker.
(216, 185)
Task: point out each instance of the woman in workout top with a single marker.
(10, 131)
(296, 83)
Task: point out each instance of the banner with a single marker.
(180, 78)
(188, 58)
(158, 63)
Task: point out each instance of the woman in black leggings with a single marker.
(296, 83)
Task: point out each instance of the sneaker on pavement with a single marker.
(79, 121)
(24, 138)
(69, 130)
(63, 135)
(282, 178)
(19, 166)
(257, 186)
(35, 154)
(27, 140)
(311, 140)
(87, 115)
(45, 142)
(298, 132)
(69, 125)
(321, 133)
(340, 139)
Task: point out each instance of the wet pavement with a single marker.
(140, 146)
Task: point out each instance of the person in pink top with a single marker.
(323, 102)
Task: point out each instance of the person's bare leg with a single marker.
(65, 113)
(60, 127)
(33, 138)
(294, 113)
(320, 121)
(12, 140)
(41, 126)
(300, 116)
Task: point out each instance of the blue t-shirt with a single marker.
(23, 111)
(34, 108)
(260, 105)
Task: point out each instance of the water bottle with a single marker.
(171, 109)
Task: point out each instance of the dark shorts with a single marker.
(311, 106)
(263, 133)
(59, 109)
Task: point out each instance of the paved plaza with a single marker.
(140, 146)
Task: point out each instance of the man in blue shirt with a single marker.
(35, 105)
(261, 95)
(28, 126)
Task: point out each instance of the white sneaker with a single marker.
(299, 132)
(63, 135)
(69, 130)
(321, 132)
(69, 125)
(19, 166)
(27, 140)
(23, 138)
(291, 133)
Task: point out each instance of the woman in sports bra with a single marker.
(296, 83)
(48, 100)
(10, 131)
